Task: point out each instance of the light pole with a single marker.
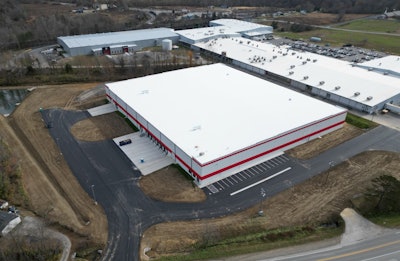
(94, 196)
(331, 165)
(263, 194)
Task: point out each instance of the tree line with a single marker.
(331, 6)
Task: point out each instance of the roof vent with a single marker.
(315, 60)
(292, 66)
(291, 72)
(274, 57)
(305, 77)
(293, 53)
(337, 87)
(356, 93)
(304, 62)
(201, 154)
(308, 59)
(321, 83)
(369, 98)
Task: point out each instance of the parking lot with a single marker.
(254, 173)
(347, 52)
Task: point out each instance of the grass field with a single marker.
(385, 43)
(385, 26)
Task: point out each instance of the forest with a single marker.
(30, 23)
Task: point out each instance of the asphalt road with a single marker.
(109, 177)
(384, 248)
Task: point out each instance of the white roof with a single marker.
(318, 68)
(241, 26)
(389, 64)
(218, 110)
(203, 33)
(114, 38)
(225, 28)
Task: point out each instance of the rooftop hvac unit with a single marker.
(293, 53)
(321, 83)
(304, 62)
(356, 93)
(315, 60)
(308, 59)
(274, 57)
(292, 66)
(369, 98)
(291, 72)
(337, 87)
(201, 154)
(305, 77)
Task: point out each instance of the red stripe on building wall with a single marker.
(235, 153)
(263, 142)
(269, 151)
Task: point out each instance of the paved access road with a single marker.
(110, 178)
(384, 248)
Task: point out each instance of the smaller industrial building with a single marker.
(225, 28)
(215, 121)
(115, 42)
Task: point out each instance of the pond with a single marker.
(9, 99)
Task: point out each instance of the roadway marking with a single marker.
(375, 257)
(360, 251)
(260, 181)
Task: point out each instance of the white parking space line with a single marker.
(232, 177)
(266, 165)
(237, 176)
(247, 174)
(241, 174)
(261, 181)
(225, 183)
(259, 168)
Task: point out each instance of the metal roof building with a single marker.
(219, 127)
(224, 28)
(338, 81)
(115, 42)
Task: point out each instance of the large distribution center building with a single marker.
(115, 42)
(215, 121)
(340, 82)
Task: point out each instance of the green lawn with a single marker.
(385, 43)
(385, 26)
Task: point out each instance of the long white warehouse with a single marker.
(215, 121)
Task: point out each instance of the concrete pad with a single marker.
(103, 109)
(144, 153)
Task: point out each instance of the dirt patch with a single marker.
(46, 176)
(315, 201)
(103, 127)
(179, 188)
(315, 147)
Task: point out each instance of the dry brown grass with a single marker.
(53, 190)
(107, 126)
(317, 146)
(315, 201)
(170, 185)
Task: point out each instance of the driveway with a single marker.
(111, 179)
